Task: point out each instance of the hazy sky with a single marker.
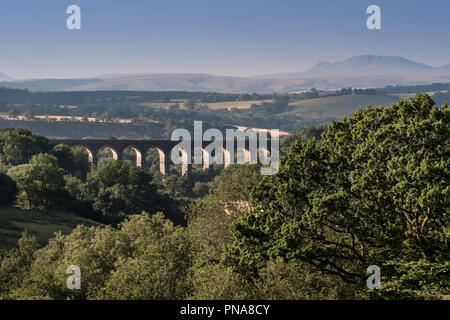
(222, 37)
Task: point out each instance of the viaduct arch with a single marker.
(164, 148)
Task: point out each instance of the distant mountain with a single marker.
(366, 65)
(177, 81)
(4, 77)
(366, 71)
(154, 82)
(48, 84)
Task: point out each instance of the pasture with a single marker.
(336, 107)
(43, 225)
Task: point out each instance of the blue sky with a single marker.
(222, 37)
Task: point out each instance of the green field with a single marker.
(211, 105)
(336, 107)
(235, 104)
(42, 225)
(321, 108)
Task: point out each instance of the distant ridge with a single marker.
(4, 77)
(48, 84)
(365, 71)
(366, 65)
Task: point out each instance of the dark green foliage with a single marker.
(13, 113)
(374, 191)
(118, 188)
(41, 182)
(156, 264)
(417, 88)
(147, 257)
(442, 97)
(8, 190)
(85, 97)
(17, 146)
(72, 159)
(15, 263)
(209, 233)
(28, 115)
(294, 280)
(302, 135)
(421, 279)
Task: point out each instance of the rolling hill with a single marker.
(42, 225)
(365, 66)
(365, 71)
(4, 77)
(335, 107)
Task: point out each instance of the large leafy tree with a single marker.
(209, 233)
(17, 146)
(303, 135)
(375, 190)
(118, 188)
(8, 190)
(210, 217)
(73, 159)
(156, 261)
(147, 257)
(15, 263)
(41, 181)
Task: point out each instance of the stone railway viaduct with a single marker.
(164, 148)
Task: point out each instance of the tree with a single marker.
(28, 115)
(3, 106)
(147, 257)
(281, 101)
(209, 233)
(303, 135)
(295, 280)
(314, 93)
(106, 116)
(218, 282)
(8, 190)
(156, 264)
(200, 188)
(374, 191)
(210, 218)
(15, 263)
(41, 181)
(190, 104)
(118, 188)
(72, 159)
(13, 113)
(17, 146)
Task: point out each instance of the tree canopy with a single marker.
(17, 146)
(41, 181)
(118, 188)
(374, 191)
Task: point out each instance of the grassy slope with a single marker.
(211, 105)
(235, 104)
(42, 225)
(336, 107)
